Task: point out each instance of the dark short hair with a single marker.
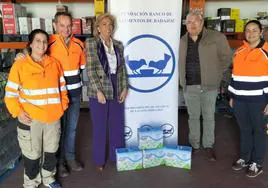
(32, 36)
(58, 14)
(255, 22)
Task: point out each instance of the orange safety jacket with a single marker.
(72, 59)
(250, 73)
(37, 89)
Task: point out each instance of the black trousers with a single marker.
(250, 118)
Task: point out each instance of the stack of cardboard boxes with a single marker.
(227, 20)
(151, 152)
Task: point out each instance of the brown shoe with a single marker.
(211, 154)
(100, 168)
(62, 171)
(74, 165)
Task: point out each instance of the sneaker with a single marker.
(254, 170)
(74, 165)
(53, 185)
(239, 164)
(62, 171)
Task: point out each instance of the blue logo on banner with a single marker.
(148, 127)
(155, 67)
(168, 130)
(128, 133)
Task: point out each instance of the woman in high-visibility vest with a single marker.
(107, 90)
(249, 95)
(36, 94)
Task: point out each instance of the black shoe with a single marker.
(210, 154)
(195, 151)
(62, 171)
(254, 170)
(239, 165)
(74, 165)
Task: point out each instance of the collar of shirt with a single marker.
(110, 49)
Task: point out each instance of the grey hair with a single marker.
(196, 13)
(99, 19)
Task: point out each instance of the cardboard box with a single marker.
(25, 25)
(235, 14)
(150, 138)
(49, 26)
(228, 26)
(178, 156)
(61, 8)
(11, 12)
(213, 24)
(88, 25)
(38, 23)
(128, 159)
(197, 5)
(239, 25)
(76, 29)
(85, 75)
(85, 96)
(153, 157)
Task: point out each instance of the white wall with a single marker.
(247, 8)
(48, 10)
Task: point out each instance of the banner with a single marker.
(150, 32)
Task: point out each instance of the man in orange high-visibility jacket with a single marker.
(69, 51)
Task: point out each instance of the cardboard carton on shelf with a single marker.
(38, 23)
(25, 25)
(10, 13)
(88, 24)
(76, 29)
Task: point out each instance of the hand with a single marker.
(20, 56)
(24, 118)
(231, 103)
(101, 97)
(123, 96)
(265, 111)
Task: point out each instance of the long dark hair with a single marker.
(32, 36)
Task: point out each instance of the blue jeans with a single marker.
(69, 123)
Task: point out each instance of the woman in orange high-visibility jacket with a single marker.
(249, 98)
(36, 94)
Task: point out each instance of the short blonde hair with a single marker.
(99, 19)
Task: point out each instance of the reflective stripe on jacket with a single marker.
(250, 72)
(72, 59)
(38, 89)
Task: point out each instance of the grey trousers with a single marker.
(199, 103)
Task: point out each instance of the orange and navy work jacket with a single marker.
(37, 89)
(72, 60)
(250, 73)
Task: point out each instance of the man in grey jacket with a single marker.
(204, 54)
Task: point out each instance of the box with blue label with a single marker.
(128, 159)
(153, 157)
(178, 156)
(150, 138)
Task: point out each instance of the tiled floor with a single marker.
(204, 174)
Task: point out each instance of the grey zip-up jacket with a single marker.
(215, 56)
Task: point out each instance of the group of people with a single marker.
(203, 57)
(44, 91)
